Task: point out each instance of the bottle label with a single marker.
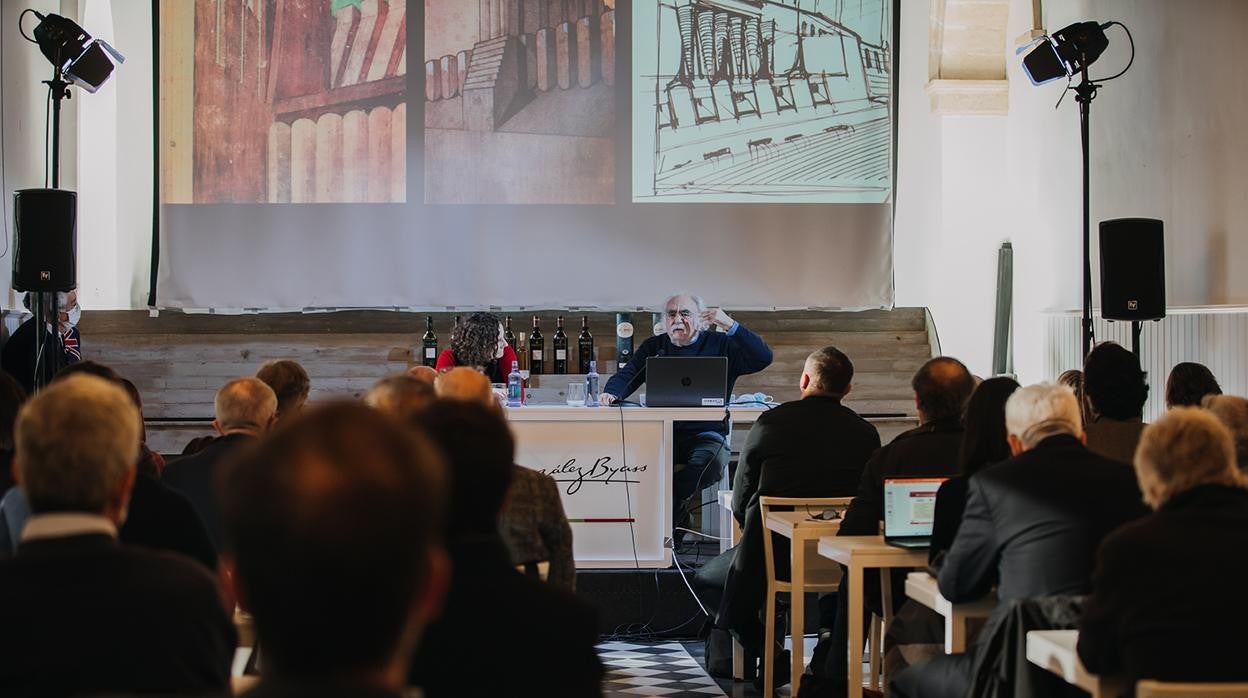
(431, 353)
(561, 354)
(537, 354)
(624, 330)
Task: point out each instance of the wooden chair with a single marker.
(824, 580)
(1161, 689)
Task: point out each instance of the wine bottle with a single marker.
(560, 346)
(537, 365)
(429, 344)
(509, 336)
(584, 347)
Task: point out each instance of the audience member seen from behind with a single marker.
(1232, 411)
(1140, 612)
(424, 373)
(1189, 383)
(1031, 529)
(1116, 388)
(290, 383)
(811, 447)
(96, 617)
(941, 388)
(1073, 379)
(478, 342)
(400, 395)
(245, 409)
(553, 633)
(11, 398)
(333, 529)
(984, 443)
(532, 521)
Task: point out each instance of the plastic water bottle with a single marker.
(515, 386)
(591, 385)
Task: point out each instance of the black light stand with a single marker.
(1085, 92)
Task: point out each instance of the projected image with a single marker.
(768, 100)
(283, 101)
(519, 101)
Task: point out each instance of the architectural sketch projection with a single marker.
(762, 100)
(519, 103)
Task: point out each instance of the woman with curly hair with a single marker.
(478, 342)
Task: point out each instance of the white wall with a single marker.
(1166, 143)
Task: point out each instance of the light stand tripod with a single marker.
(1085, 92)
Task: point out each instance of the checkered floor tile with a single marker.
(653, 669)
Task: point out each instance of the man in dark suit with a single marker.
(1142, 615)
(544, 636)
(812, 447)
(941, 389)
(245, 408)
(1032, 524)
(334, 527)
(86, 614)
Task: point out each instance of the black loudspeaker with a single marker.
(44, 256)
(1133, 269)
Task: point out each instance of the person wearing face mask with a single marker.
(700, 449)
(478, 342)
(18, 356)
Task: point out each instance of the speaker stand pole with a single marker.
(48, 354)
(1136, 328)
(1084, 94)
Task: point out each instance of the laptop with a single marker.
(909, 511)
(686, 381)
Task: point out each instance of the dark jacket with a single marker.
(320, 687)
(84, 614)
(18, 355)
(746, 352)
(541, 638)
(196, 477)
(1033, 523)
(1163, 602)
(947, 517)
(929, 450)
(535, 528)
(813, 447)
(162, 518)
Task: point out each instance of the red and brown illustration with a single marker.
(283, 101)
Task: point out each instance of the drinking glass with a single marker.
(576, 394)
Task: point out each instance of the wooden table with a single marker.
(922, 587)
(1054, 650)
(860, 553)
(802, 530)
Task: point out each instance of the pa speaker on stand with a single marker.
(1133, 272)
(44, 262)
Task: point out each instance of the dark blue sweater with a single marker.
(746, 353)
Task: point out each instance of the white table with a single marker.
(802, 530)
(614, 469)
(1054, 650)
(922, 587)
(860, 553)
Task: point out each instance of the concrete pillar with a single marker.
(588, 51)
(462, 60)
(449, 69)
(607, 45)
(328, 170)
(547, 75)
(355, 156)
(433, 81)
(565, 54)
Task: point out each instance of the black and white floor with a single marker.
(665, 668)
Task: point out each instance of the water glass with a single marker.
(576, 394)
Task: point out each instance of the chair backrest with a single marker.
(1161, 689)
(815, 504)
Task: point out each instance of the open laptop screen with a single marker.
(910, 506)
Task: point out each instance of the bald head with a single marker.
(941, 388)
(244, 405)
(463, 383)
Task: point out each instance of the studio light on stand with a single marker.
(1067, 53)
(44, 259)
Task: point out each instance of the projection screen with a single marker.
(525, 153)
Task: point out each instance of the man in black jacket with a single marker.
(84, 615)
(941, 388)
(812, 447)
(545, 636)
(1032, 524)
(245, 408)
(1167, 578)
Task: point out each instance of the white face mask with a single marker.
(75, 314)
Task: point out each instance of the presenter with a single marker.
(478, 343)
(700, 450)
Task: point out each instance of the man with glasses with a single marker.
(700, 449)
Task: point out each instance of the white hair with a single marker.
(698, 303)
(1037, 412)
